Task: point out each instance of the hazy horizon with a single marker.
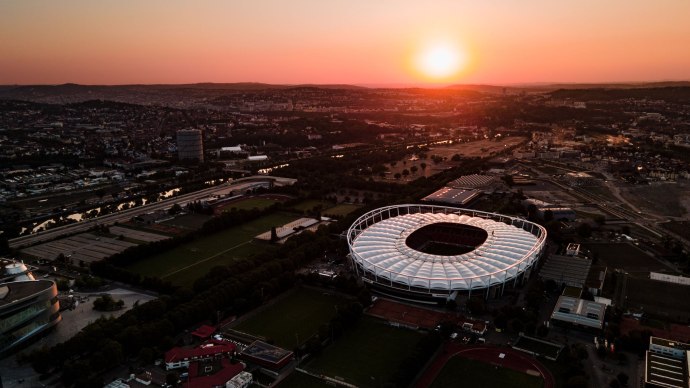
(356, 43)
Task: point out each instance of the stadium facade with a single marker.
(428, 253)
(28, 307)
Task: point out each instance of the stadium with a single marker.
(426, 253)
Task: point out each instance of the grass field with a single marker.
(301, 380)
(309, 204)
(681, 228)
(459, 371)
(297, 316)
(367, 355)
(660, 299)
(340, 210)
(625, 256)
(661, 198)
(248, 204)
(188, 262)
(188, 221)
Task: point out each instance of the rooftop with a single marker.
(382, 248)
(664, 371)
(579, 312)
(452, 196)
(17, 291)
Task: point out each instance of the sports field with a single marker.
(302, 380)
(293, 318)
(659, 299)
(460, 371)
(188, 262)
(367, 355)
(340, 210)
(247, 204)
(310, 204)
(625, 256)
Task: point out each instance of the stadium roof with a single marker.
(381, 249)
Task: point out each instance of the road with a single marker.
(238, 185)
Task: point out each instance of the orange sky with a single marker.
(340, 41)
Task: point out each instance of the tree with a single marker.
(107, 303)
(397, 175)
(456, 158)
(406, 172)
(584, 230)
(171, 379)
(174, 209)
(623, 379)
(576, 382)
(414, 169)
(422, 165)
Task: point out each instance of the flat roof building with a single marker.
(667, 364)
(579, 312)
(452, 196)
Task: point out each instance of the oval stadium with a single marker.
(425, 252)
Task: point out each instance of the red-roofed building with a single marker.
(181, 357)
(204, 332)
(218, 379)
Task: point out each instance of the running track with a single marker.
(513, 359)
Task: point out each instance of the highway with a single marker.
(240, 185)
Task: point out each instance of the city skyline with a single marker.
(386, 43)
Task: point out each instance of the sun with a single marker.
(440, 60)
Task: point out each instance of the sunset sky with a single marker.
(343, 41)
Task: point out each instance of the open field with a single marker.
(340, 210)
(188, 262)
(681, 228)
(625, 256)
(477, 148)
(188, 221)
(463, 371)
(367, 355)
(247, 204)
(660, 299)
(302, 380)
(659, 198)
(309, 204)
(294, 317)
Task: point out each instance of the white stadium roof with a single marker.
(381, 250)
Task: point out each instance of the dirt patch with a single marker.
(664, 198)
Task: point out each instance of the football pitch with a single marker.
(186, 263)
(460, 371)
(367, 355)
(293, 319)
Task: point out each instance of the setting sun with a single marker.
(440, 60)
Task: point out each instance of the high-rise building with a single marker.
(190, 145)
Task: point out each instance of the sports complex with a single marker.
(427, 253)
